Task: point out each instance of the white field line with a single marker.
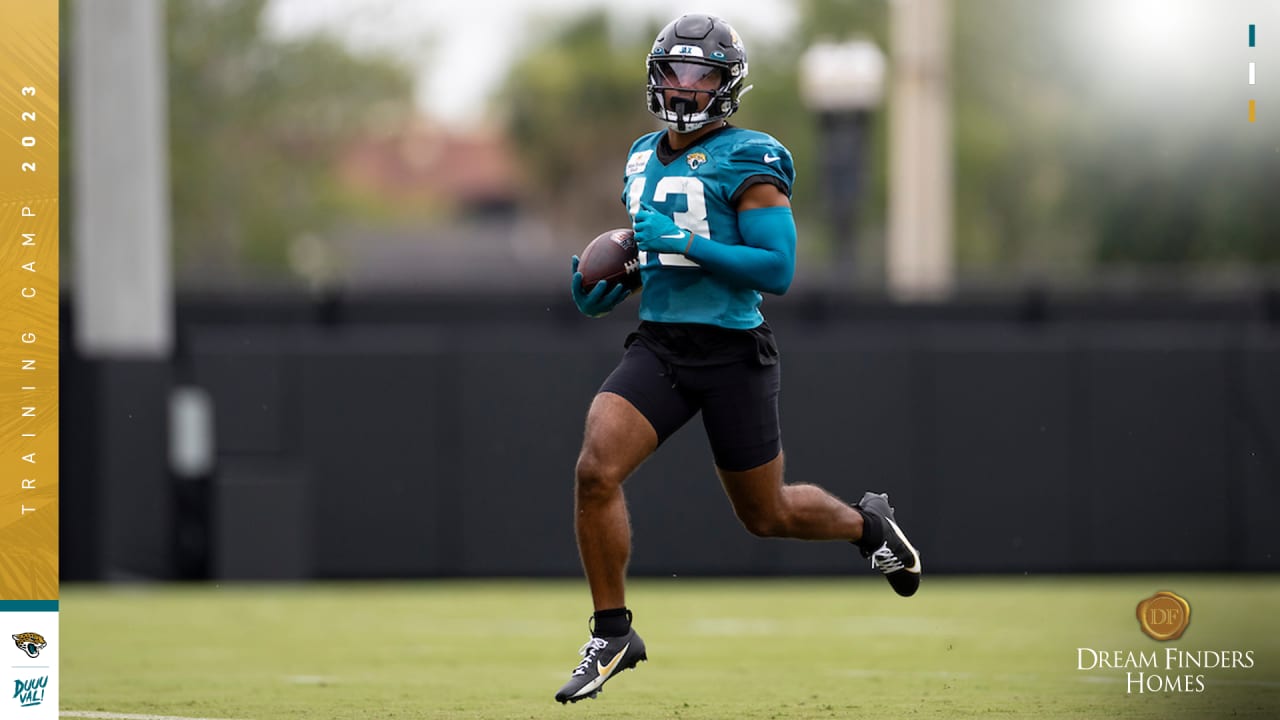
(126, 715)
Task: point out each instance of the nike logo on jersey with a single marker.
(771, 158)
(605, 671)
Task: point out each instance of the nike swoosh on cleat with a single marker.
(771, 158)
(606, 670)
(603, 672)
(915, 566)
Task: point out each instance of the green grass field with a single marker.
(964, 647)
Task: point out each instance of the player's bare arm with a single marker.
(763, 195)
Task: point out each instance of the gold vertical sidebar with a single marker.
(1252, 111)
(28, 299)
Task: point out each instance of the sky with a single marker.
(462, 48)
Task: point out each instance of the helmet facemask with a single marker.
(696, 72)
(688, 93)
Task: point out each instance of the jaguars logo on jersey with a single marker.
(695, 159)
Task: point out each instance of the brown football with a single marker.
(613, 257)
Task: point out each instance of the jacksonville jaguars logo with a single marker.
(30, 643)
(695, 159)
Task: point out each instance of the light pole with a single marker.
(843, 83)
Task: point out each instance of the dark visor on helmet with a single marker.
(687, 75)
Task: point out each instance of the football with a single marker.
(613, 257)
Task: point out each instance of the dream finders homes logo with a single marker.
(1173, 670)
(1163, 617)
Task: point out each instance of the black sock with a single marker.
(872, 532)
(611, 623)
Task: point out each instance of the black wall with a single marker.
(429, 436)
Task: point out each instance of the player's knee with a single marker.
(595, 476)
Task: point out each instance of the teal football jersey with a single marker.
(698, 190)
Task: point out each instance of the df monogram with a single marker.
(1164, 616)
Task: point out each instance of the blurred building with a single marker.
(456, 217)
(471, 174)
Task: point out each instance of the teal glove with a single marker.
(656, 232)
(602, 297)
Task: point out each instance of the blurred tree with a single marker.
(573, 105)
(839, 19)
(1013, 126)
(1202, 210)
(255, 124)
(1062, 169)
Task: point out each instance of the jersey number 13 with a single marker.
(693, 219)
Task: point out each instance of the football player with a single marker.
(711, 209)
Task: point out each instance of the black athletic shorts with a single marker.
(738, 400)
